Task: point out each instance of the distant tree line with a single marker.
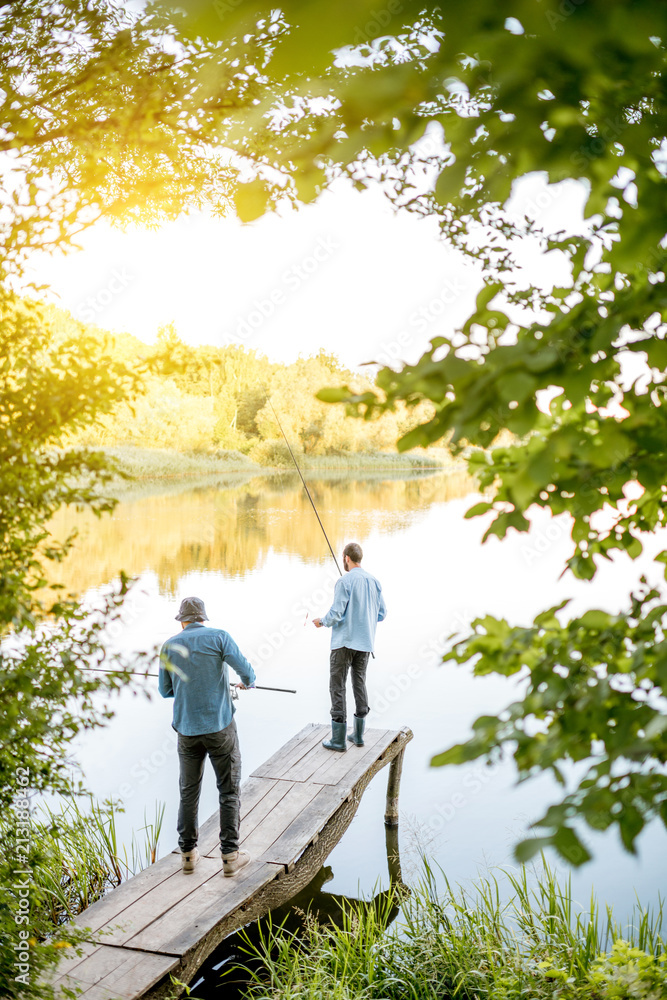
(230, 397)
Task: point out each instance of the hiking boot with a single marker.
(337, 741)
(234, 862)
(357, 734)
(189, 859)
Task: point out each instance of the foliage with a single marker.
(198, 398)
(469, 943)
(628, 973)
(50, 386)
(448, 107)
(76, 857)
(595, 451)
(599, 708)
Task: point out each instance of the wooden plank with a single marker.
(70, 960)
(347, 768)
(136, 977)
(304, 768)
(256, 816)
(121, 973)
(97, 992)
(105, 909)
(276, 822)
(163, 897)
(252, 791)
(196, 916)
(285, 751)
(367, 758)
(292, 752)
(304, 828)
(158, 918)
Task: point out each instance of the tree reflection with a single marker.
(228, 527)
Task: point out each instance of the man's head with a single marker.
(352, 555)
(191, 610)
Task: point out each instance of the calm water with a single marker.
(253, 551)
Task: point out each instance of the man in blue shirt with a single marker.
(193, 671)
(358, 606)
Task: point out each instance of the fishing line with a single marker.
(305, 485)
(134, 673)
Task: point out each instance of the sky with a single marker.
(347, 274)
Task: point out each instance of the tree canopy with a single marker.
(247, 107)
(448, 107)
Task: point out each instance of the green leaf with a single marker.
(477, 509)
(570, 847)
(526, 850)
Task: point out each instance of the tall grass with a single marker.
(159, 463)
(79, 856)
(504, 938)
(148, 464)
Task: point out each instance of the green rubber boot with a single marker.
(357, 734)
(337, 741)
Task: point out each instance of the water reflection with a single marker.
(251, 548)
(224, 968)
(229, 525)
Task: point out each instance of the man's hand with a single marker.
(245, 687)
(317, 622)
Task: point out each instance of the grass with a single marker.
(505, 938)
(433, 459)
(154, 464)
(79, 858)
(162, 463)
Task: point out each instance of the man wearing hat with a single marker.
(193, 671)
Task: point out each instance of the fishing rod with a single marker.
(135, 673)
(305, 485)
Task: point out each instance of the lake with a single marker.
(252, 549)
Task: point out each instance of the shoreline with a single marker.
(155, 464)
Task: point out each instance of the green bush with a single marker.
(628, 973)
(271, 453)
(504, 938)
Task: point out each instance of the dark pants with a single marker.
(223, 750)
(355, 661)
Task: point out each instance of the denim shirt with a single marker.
(358, 606)
(199, 684)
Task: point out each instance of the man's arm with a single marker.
(336, 612)
(237, 661)
(382, 610)
(165, 685)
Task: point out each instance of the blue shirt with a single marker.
(358, 606)
(202, 700)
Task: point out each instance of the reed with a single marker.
(510, 936)
(79, 856)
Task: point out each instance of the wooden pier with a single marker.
(162, 923)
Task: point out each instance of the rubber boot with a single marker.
(357, 734)
(337, 741)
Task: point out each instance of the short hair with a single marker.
(353, 551)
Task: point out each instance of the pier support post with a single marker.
(393, 786)
(393, 856)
